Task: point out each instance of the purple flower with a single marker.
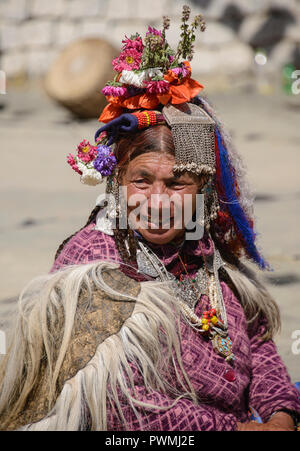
(105, 162)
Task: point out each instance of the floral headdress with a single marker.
(153, 86)
(148, 74)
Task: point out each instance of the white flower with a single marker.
(90, 176)
(138, 79)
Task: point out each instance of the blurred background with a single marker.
(55, 57)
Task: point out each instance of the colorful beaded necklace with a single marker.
(213, 322)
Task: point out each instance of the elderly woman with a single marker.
(149, 320)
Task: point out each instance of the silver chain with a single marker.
(150, 264)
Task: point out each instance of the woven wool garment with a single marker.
(91, 245)
(92, 326)
(261, 378)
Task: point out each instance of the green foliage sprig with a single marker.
(158, 53)
(185, 47)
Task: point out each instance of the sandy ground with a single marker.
(42, 201)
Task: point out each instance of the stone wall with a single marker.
(32, 32)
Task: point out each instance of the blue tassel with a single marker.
(233, 205)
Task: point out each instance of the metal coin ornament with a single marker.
(223, 346)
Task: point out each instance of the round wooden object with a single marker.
(77, 77)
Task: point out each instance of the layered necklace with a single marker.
(212, 323)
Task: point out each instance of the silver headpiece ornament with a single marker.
(193, 132)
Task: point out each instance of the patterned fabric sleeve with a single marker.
(87, 246)
(183, 416)
(271, 388)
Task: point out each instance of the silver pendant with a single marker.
(144, 265)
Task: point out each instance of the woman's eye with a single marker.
(177, 185)
(141, 182)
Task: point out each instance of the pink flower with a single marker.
(86, 152)
(115, 91)
(101, 136)
(133, 44)
(129, 59)
(72, 162)
(131, 55)
(183, 71)
(154, 32)
(157, 87)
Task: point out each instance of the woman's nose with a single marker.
(158, 188)
(158, 198)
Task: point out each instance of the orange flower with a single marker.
(173, 78)
(110, 112)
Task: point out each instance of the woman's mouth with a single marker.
(157, 225)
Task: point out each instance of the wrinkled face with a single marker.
(159, 202)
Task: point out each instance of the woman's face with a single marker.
(157, 198)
